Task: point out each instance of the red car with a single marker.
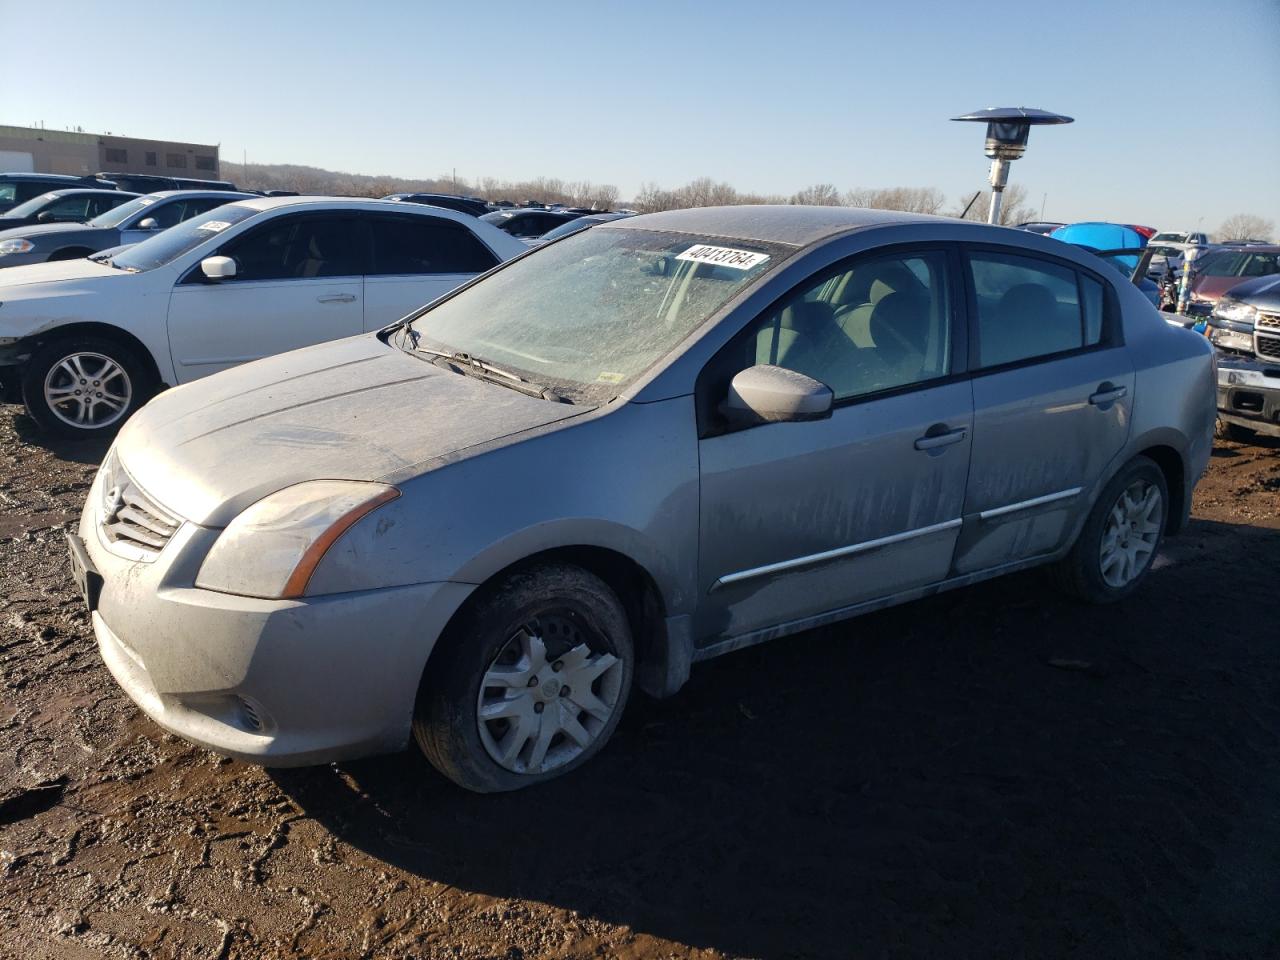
(1218, 270)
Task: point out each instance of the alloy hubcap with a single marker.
(1129, 538)
(548, 694)
(87, 390)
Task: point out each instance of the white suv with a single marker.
(83, 343)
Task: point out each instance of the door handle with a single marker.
(336, 297)
(1107, 393)
(933, 441)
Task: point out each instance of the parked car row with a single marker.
(84, 342)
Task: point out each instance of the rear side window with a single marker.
(425, 245)
(1028, 308)
(300, 248)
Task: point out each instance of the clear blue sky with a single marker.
(770, 97)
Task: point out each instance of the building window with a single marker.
(206, 163)
(176, 160)
(117, 155)
(151, 158)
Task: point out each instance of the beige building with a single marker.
(36, 150)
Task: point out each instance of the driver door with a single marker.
(803, 518)
(299, 281)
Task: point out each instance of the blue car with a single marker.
(1112, 242)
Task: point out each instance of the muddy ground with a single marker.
(992, 773)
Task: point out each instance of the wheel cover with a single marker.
(1131, 533)
(548, 694)
(87, 390)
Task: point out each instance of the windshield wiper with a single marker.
(470, 365)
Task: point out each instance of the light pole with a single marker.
(1007, 131)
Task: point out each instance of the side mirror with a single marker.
(148, 224)
(45, 217)
(218, 268)
(769, 394)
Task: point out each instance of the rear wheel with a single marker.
(1120, 538)
(84, 386)
(531, 682)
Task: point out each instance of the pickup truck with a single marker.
(1245, 329)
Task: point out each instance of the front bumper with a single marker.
(1249, 393)
(274, 682)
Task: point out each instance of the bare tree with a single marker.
(1014, 208)
(819, 195)
(908, 199)
(1245, 226)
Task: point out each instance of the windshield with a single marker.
(1170, 238)
(496, 217)
(591, 313)
(573, 226)
(170, 244)
(34, 205)
(113, 218)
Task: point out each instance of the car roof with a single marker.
(232, 195)
(350, 203)
(97, 191)
(46, 176)
(796, 225)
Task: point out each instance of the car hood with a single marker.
(55, 278)
(1211, 288)
(355, 409)
(1261, 292)
(44, 229)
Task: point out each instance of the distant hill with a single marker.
(315, 180)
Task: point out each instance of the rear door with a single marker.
(1052, 391)
(415, 259)
(299, 280)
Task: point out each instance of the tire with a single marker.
(71, 254)
(521, 740)
(1224, 430)
(1085, 572)
(51, 372)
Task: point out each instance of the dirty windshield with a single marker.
(589, 314)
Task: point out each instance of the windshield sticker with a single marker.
(146, 201)
(608, 377)
(214, 225)
(723, 256)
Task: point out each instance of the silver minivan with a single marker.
(639, 447)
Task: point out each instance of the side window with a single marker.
(421, 245)
(99, 205)
(167, 214)
(70, 208)
(1029, 308)
(301, 248)
(881, 324)
(526, 225)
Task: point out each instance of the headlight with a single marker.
(15, 246)
(1236, 311)
(272, 549)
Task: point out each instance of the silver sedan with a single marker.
(636, 448)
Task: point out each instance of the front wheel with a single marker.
(84, 386)
(530, 683)
(1120, 538)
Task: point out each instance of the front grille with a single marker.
(1268, 320)
(1268, 347)
(131, 521)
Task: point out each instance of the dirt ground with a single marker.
(991, 773)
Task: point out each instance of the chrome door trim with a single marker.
(1028, 504)
(866, 545)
